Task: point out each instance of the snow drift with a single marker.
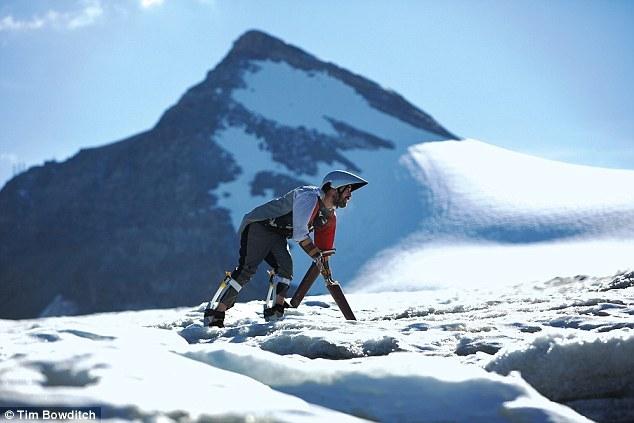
(500, 217)
(596, 372)
(401, 387)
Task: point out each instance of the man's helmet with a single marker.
(341, 178)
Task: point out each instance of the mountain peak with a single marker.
(256, 41)
(256, 44)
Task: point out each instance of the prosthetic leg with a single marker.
(212, 316)
(277, 286)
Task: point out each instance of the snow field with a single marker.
(499, 355)
(419, 263)
(399, 387)
(133, 373)
(596, 371)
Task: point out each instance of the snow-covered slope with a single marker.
(446, 355)
(496, 216)
(411, 357)
(486, 192)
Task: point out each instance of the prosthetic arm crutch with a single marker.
(307, 281)
(333, 287)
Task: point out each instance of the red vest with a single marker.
(324, 234)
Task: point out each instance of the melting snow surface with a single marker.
(465, 355)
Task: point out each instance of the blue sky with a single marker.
(549, 78)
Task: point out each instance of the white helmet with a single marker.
(341, 178)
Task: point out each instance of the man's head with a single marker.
(338, 185)
(337, 197)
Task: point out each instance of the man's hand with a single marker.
(320, 260)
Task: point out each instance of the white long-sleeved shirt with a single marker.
(304, 202)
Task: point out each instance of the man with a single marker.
(263, 234)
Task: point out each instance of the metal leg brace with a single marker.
(225, 284)
(212, 317)
(277, 286)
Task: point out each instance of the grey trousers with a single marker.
(259, 243)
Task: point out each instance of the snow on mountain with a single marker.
(371, 143)
(465, 355)
(315, 100)
(303, 99)
(495, 216)
(488, 188)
